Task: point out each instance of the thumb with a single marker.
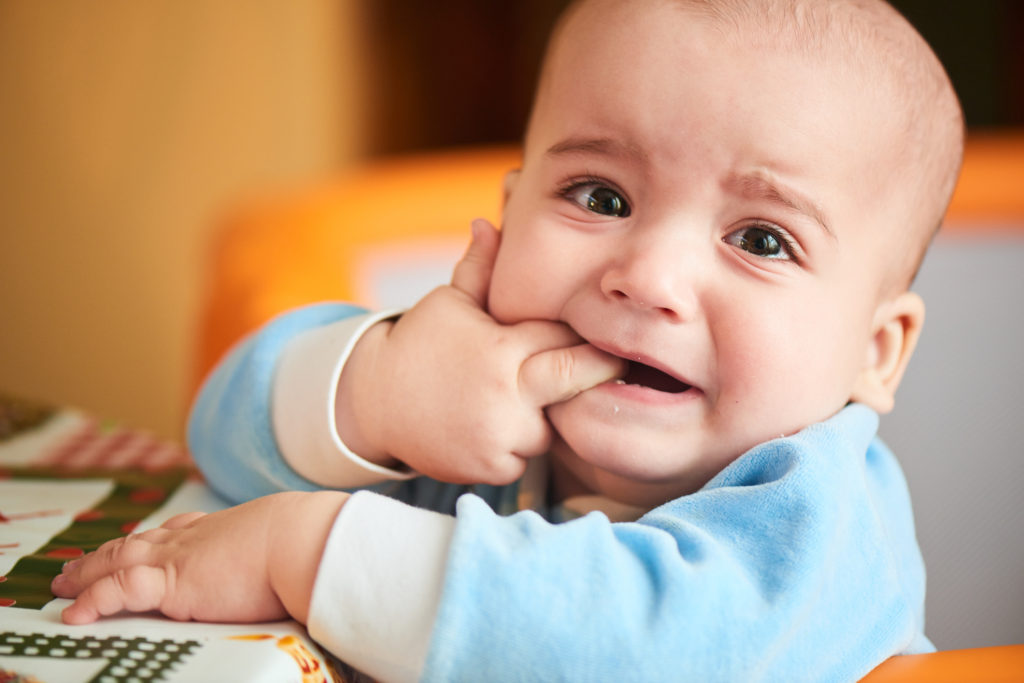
(472, 273)
(559, 374)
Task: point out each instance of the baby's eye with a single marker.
(763, 241)
(598, 198)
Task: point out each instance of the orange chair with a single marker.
(330, 241)
(1004, 664)
(991, 187)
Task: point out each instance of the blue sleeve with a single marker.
(230, 432)
(784, 567)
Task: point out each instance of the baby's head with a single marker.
(734, 195)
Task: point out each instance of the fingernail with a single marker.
(68, 566)
(477, 227)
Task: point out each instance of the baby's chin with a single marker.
(618, 464)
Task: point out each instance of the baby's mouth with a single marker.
(652, 378)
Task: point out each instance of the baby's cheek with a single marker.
(514, 296)
(763, 388)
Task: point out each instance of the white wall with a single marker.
(956, 429)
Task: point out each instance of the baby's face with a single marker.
(712, 215)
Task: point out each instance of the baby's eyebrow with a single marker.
(760, 184)
(603, 146)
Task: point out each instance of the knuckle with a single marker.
(109, 550)
(505, 470)
(121, 583)
(536, 440)
(131, 551)
(121, 580)
(503, 341)
(149, 536)
(136, 587)
(565, 366)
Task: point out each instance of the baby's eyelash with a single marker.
(576, 182)
(597, 196)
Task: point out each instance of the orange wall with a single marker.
(126, 128)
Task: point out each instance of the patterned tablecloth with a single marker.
(68, 483)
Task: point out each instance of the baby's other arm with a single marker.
(253, 562)
(453, 394)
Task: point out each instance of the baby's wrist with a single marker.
(362, 397)
(300, 524)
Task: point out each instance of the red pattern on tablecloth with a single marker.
(98, 445)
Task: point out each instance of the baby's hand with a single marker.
(253, 562)
(456, 395)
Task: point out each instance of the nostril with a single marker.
(669, 313)
(620, 295)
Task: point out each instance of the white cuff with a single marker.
(379, 584)
(303, 406)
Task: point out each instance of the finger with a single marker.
(112, 556)
(137, 589)
(183, 520)
(152, 535)
(559, 374)
(472, 273)
(544, 335)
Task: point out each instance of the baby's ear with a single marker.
(509, 184)
(896, 328)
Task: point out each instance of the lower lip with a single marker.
(641, 394)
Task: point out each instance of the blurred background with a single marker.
(129, 130)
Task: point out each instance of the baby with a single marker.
(635, 437)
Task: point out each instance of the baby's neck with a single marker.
(565, 489)
(562, 483)
(569, 476)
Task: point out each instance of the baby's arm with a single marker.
(453, 394)
(254, 562)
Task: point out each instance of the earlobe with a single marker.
(897, 327)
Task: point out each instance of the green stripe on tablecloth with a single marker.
(136, 495)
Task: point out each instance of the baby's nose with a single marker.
(659, 280)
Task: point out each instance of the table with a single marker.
(69, 482)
